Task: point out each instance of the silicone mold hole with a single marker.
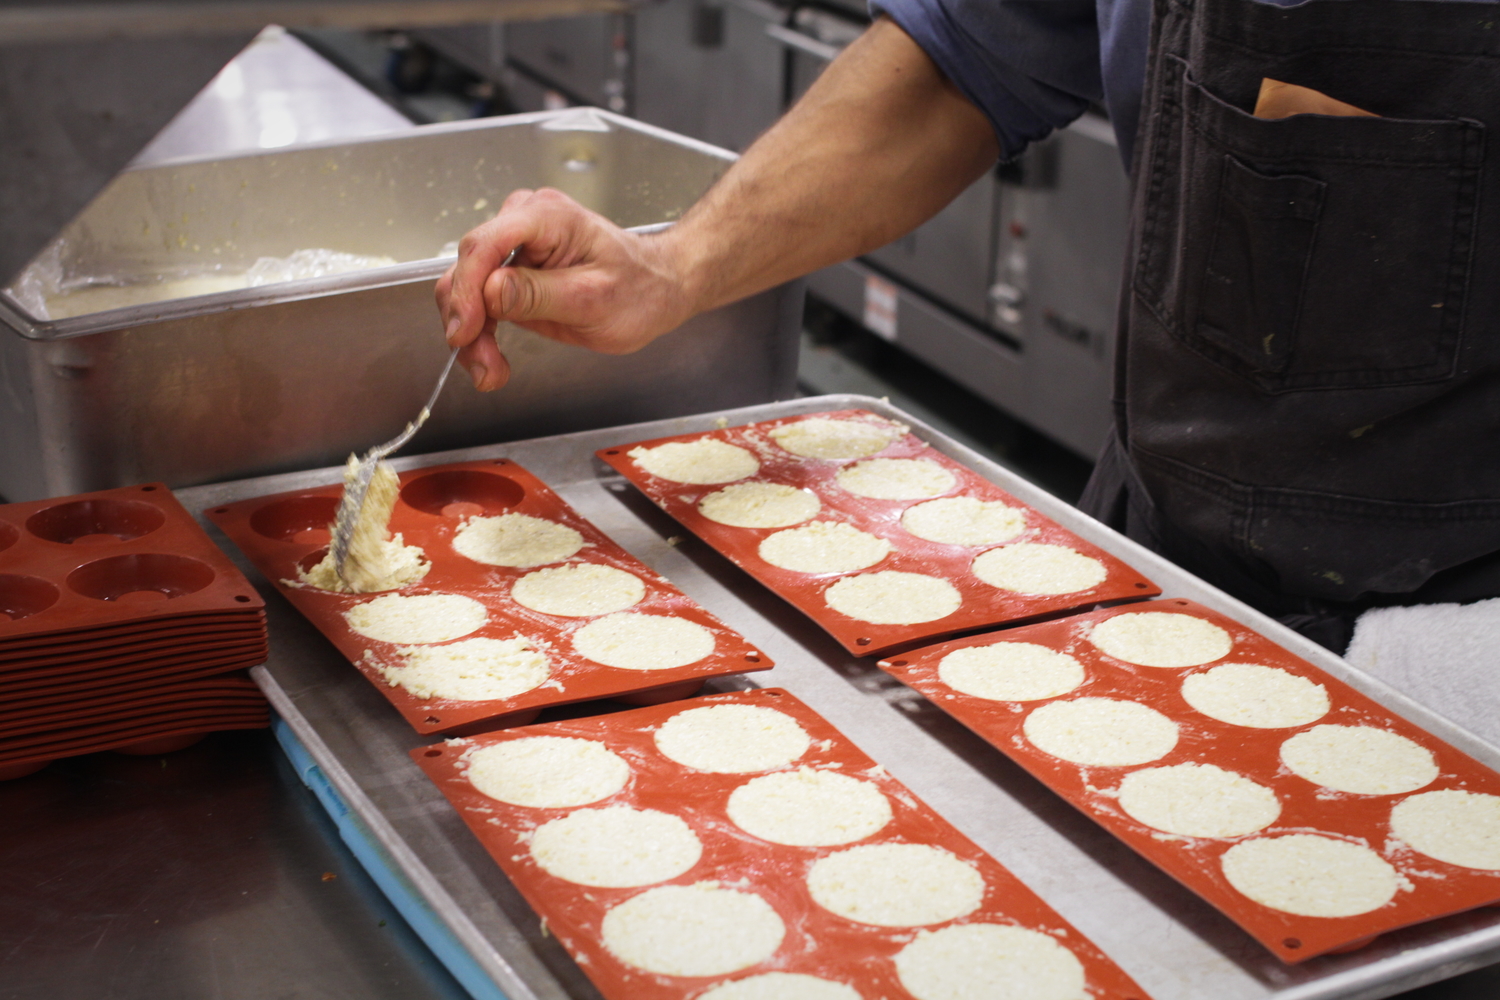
(242, 599)
(462, 493)
(751, 658)
(23, 596)
(1292, 943)
(431, 720)
(93, 521)
(612, 451)
(898, 663)
(862, 641)
(8, 535)
(145, 577)
(303, 520)
(307, 562)
(1140, 586)
(432, 753)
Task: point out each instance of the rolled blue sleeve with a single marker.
(1031, 66)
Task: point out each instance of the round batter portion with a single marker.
(1359, 759)
(701, 462)
(1254, 696)
(1161, 639)
(420, 618)
(1029, 568)
(1101, 732)
(1461, 828)
(964, 521)
(896, 479)
(693, 930)
(1010, 671)
(891, 597)
(759, 505)
(895, 885)
(547, 772)
(578, 590)
(732, 739)
(471, 670)
(989, 962)
(615, 847)
(824, 547)
(1310, 876)
(518, 540)
(808, 808)
(781, 986)
(820, 437)
(643, 642)
(1198, 800)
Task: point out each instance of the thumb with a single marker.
(530, 295)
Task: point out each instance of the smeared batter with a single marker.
(375, 561)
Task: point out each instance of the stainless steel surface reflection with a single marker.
(202, 873)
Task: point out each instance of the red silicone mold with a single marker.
(248, 641)
(817, 942)
(209, 694)
(983, 605)
(109, 559)
(1430, 888)
(83, 676)
(249, 627)
(101, 691)
(279, 533)
(72, 741)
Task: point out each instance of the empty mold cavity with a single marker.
(24, 596)
(141, 578)
(302, 520)
(462, 493)
(87, 522)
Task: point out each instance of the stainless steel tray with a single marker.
(1176, 946)
(297, 374)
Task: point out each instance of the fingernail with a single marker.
(453, 325)
(477, 372)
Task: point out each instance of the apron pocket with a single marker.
(1311, 252)
(1252, 285)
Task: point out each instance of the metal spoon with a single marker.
(355, 491)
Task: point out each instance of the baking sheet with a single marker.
(982, 605)
(1429, 888)
(285, 531)
(816, 942)
(1173, 944)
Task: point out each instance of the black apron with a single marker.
(1307, 398)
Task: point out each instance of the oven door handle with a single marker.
(802, 43)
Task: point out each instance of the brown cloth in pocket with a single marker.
(1282, 100)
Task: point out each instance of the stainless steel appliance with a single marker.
(298, 374)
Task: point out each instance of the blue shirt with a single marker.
(1032, 66)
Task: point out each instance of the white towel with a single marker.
(1446, 656)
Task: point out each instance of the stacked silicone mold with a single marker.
(122, 627)
(288, 532)
(782, 900)
(978, 604)
(1281, 795)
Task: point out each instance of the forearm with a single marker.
(880, 143)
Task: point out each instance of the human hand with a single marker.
(578, 279)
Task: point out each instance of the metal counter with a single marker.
(1177, 947)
